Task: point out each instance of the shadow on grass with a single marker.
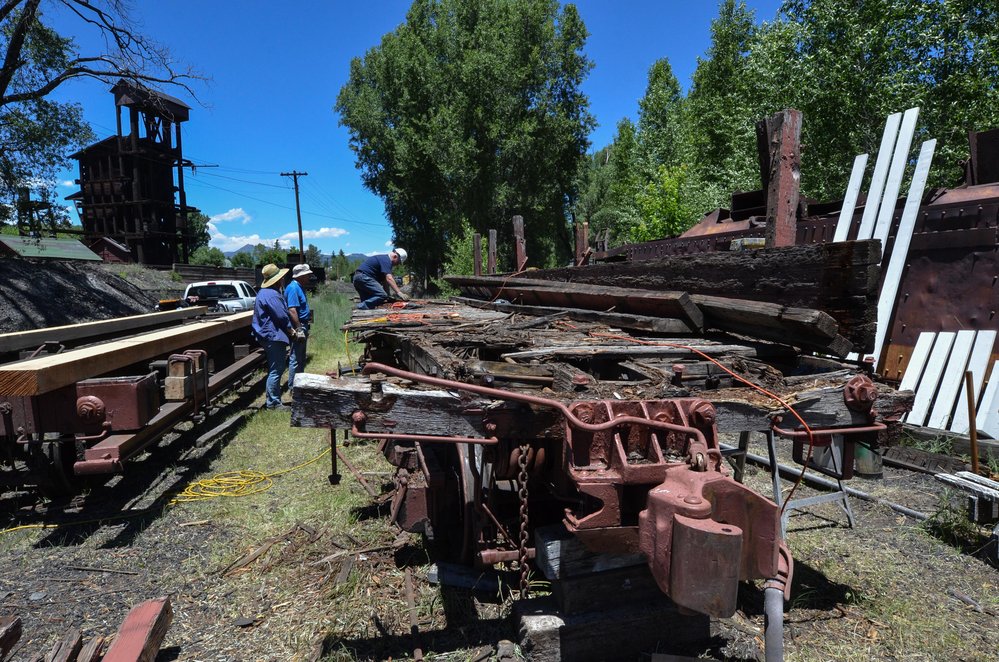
(158, 470)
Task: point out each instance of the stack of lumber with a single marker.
(820, 297)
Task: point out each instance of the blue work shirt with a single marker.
(377, 266)
(270, 317)
(295, 296)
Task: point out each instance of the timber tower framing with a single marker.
(132, 184)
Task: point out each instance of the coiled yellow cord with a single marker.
(229, 484)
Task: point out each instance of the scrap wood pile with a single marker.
(139, 638)
(704, 324)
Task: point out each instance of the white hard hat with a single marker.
(401, 252)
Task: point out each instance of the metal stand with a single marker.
(334, 476)
(737, 455)
(840, 496)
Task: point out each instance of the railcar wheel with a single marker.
(51, 464)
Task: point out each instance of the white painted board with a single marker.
(850, 200)
(988, 411)
(951, 391)
(900, 159)
(878, 178)
(900, 253)
(917, 362)
(977, 364)
(931, 378)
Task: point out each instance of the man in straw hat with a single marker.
(273, 329)
(374, 274)
(301, 320)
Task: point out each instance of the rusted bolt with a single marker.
(490, 426)
(677, 379)
(90, 408)
(359, 418)
(580, 380)
(584, 413)
(860, 394)
(703, 414)
(692, 500)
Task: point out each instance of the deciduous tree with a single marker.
(472, 109)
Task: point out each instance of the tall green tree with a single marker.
(721, 115)
(197, 226)
(37, 133)
(472, 109)
(661, 129)
(242, 259)
(208, 256)
(313, 256)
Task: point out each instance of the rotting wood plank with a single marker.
(324, 402)
(783, 130)
(840, 279)
(620, 320)
(66, 649)
(142, 632)
(10, 633)
(525, 291)
(13, 342)
(48, 373)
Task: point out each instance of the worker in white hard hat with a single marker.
(373, 279)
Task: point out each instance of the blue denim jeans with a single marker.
(370, 290)
(277, 357)
(296, 359)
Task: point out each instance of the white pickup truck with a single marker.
(230, 296)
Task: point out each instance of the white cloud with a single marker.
(235, 214)
(388, 244)
(321, 233)
(68, 183)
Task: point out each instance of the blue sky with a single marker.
(274, 72)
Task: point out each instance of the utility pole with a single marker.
(294, 174)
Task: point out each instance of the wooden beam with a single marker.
(10, 633)
(620, 320)
(141, 634)
(14, 342)
(491, 253)
(477, 253)
(519, 244)
(584, 295)
(784, 185)
(48, 373)
(840, 279)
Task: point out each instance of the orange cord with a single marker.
(773, 396)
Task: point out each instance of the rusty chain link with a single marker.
(522, 493)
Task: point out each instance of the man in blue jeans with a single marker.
(301, 320)
(272, 328)
(372, 277)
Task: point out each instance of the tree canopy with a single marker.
(845, 65)
(37, 133)
(471, 112)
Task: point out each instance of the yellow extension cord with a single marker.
(230, 484)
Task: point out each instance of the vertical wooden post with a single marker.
(477, 253)
(519, 246)
(969, 382)
(491, 254)
(334, 470)
(784, 184)
(582, 243)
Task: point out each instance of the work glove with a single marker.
(298, 334)
(403, 297)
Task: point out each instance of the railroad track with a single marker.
(69, 414)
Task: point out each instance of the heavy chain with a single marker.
(522, 493)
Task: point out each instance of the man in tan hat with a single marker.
(301, 319)
(273, 329)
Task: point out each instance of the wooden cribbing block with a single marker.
(10, 633)
(142, 632)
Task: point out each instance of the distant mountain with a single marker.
(245, 248)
